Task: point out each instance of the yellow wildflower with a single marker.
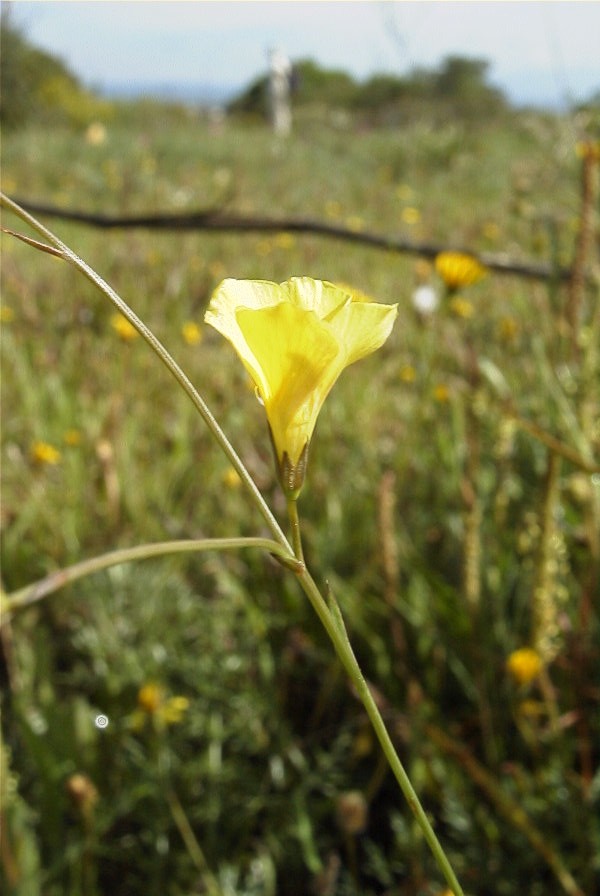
(124, 330)
(355, 222)
(72, 437)
(95, 134)
(44, 453)
(174, 709)
(294, 339)
(408, 374)
(588, 149)
(461, 307)
(441, 393)
(284, 241)
(524, 664)
(150, 697)
(191, 333)
(457, 269)
(7, 315)
(153, 704)
(231, 478)
(411, 215)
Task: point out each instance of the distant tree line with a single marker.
(458, 87)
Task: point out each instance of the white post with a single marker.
(279, 93)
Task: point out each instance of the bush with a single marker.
(34, 85)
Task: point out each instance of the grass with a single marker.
(450, 534)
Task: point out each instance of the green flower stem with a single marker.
(193, 847)
(56, 580)
(159, 349)
(292, 506)
(333, 623)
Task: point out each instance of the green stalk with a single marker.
(56, 580)
(292, 506)
(334, 626)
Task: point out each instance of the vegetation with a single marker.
(36, 86)
(451, 503)
(458, 88)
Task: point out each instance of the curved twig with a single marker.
(216, 220)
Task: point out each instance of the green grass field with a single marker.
(456, 521)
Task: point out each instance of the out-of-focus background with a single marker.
(453, 493)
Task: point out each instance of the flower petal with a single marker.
(296, 352)
(319, 296)
(361, 328)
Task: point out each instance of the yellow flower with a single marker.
(524, 665)
(355, 222)
(191, 333)
(44, 453)
(461, 307)
(231, 478)
(588, 149)
(284, 241)
(411, 215)
(95, 134)
(174, 710)
(123, 328)
(150, 697)
(441, 393)
(408, 374)
(72, 437)
(7, 315)
(294, 339)
(457, 269)
(153, 704)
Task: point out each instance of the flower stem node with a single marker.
(294, 339)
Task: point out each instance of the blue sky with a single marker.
(538, 51)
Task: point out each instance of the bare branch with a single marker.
(216, 220)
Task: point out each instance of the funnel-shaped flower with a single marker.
(294, 339)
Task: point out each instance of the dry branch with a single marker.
(216, 220)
